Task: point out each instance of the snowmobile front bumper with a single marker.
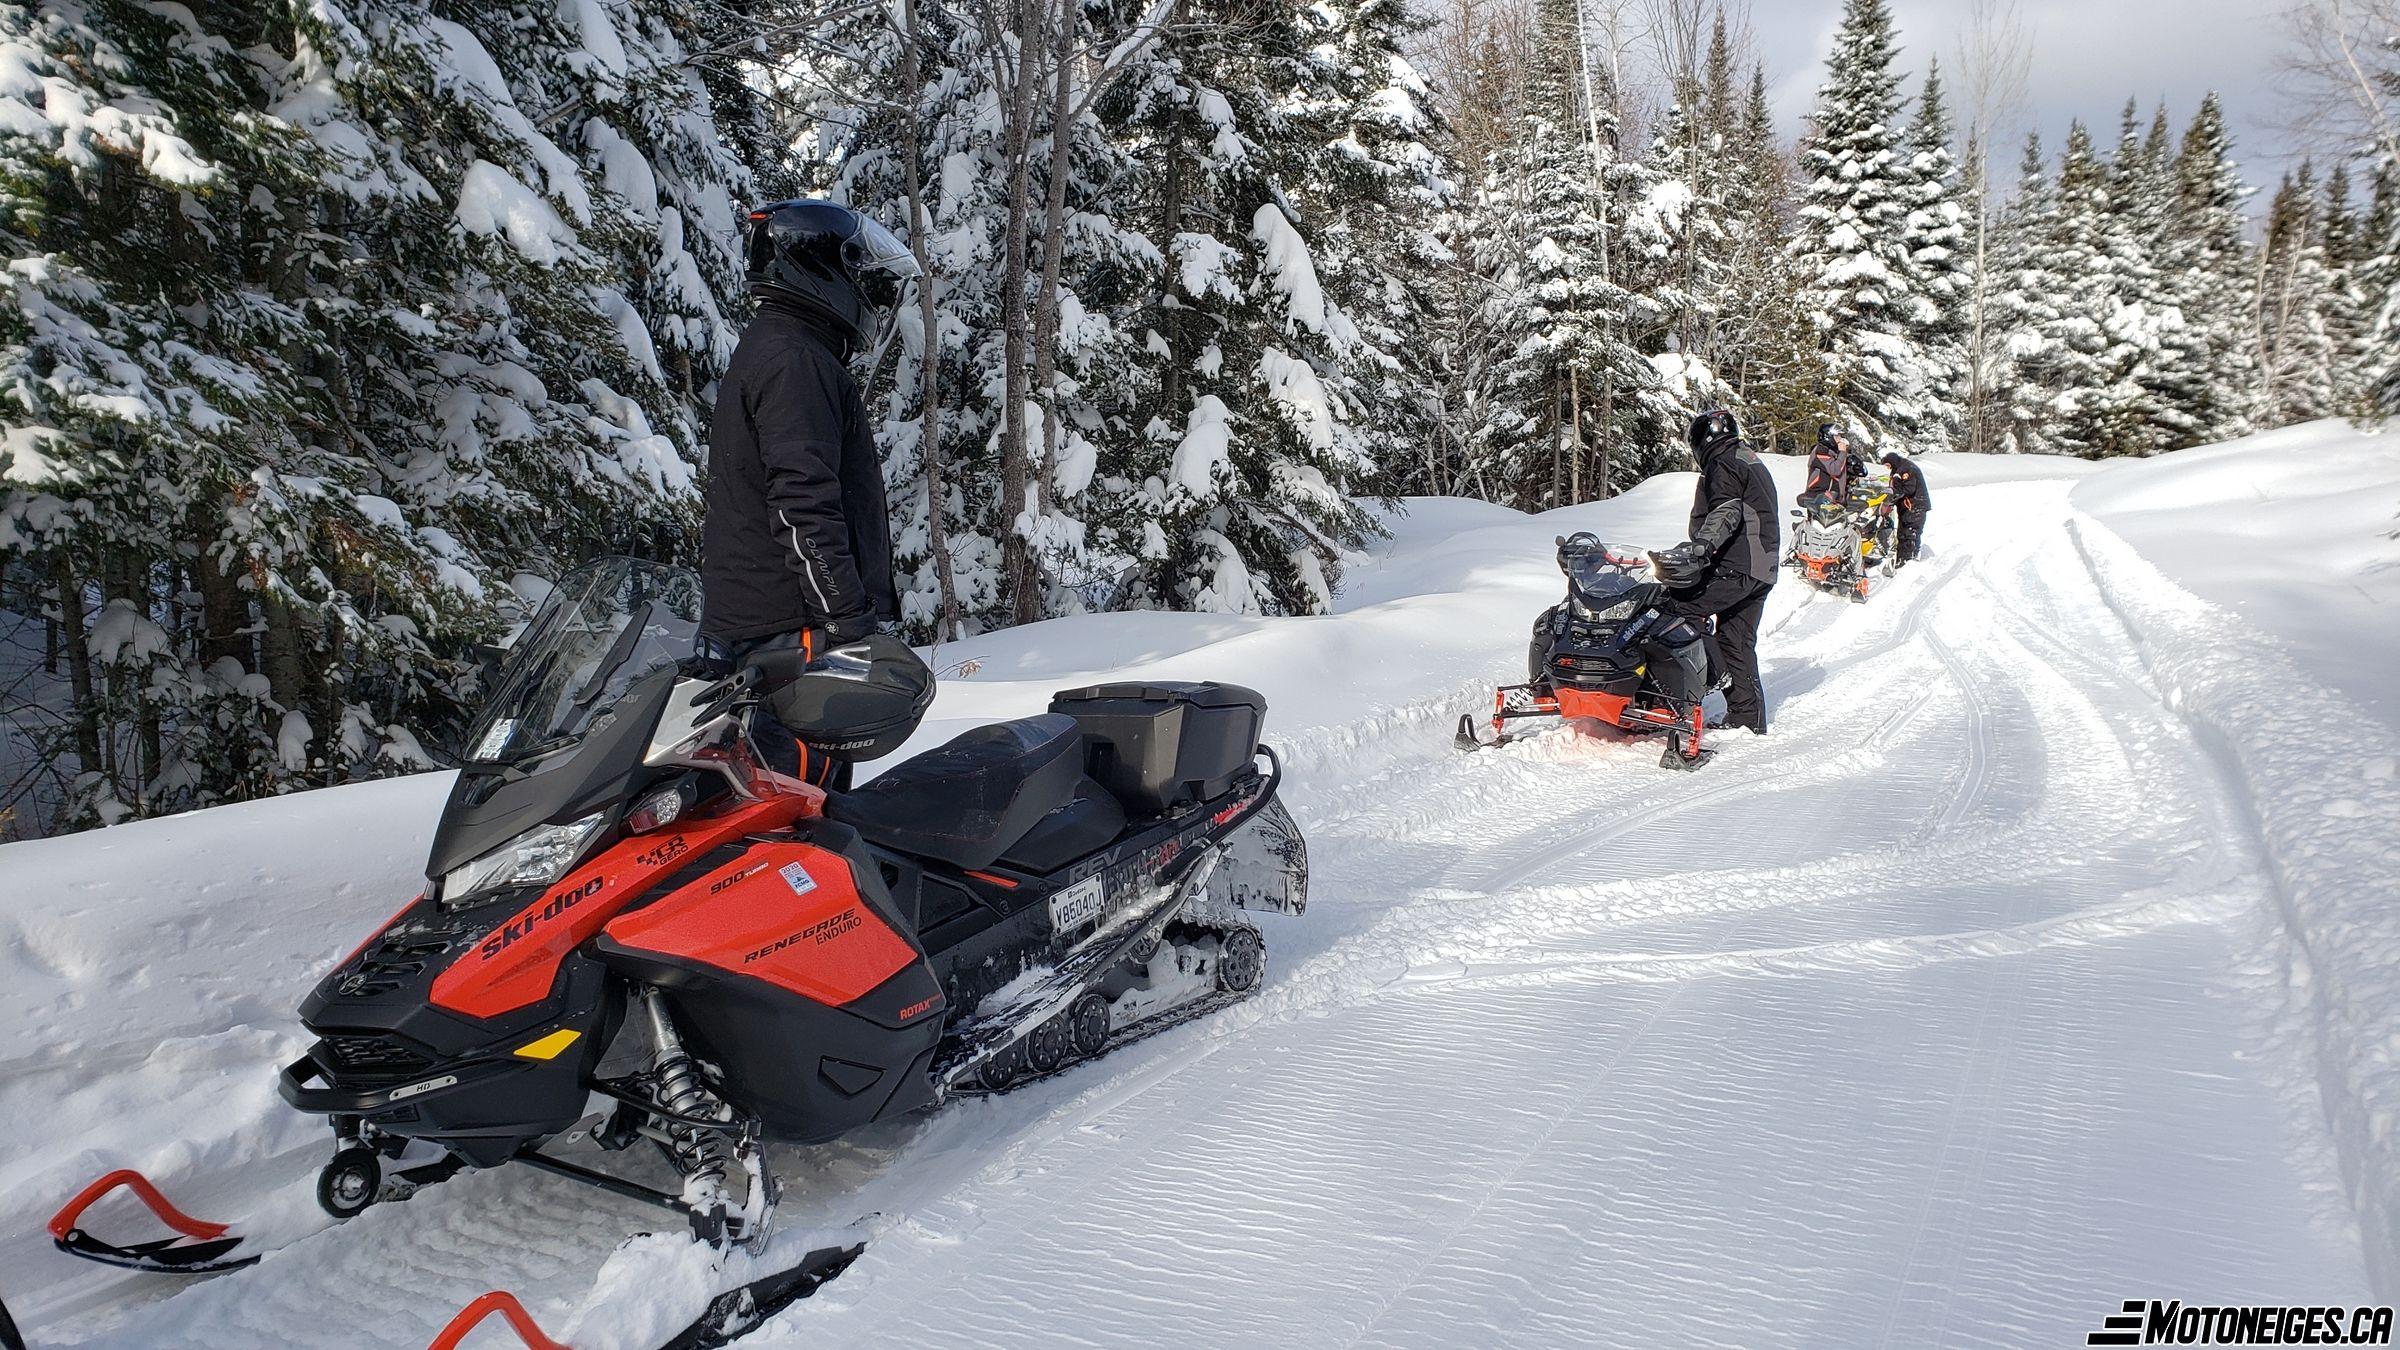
(303, 1084)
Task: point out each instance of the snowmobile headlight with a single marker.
(537, 857)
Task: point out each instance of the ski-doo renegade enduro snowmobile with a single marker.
(1845, 544)
(635, 934)
(1608, 652)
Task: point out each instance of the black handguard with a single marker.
(1684, 566)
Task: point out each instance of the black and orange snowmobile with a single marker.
(1845, 544)
(636, 937)
(1609, 653)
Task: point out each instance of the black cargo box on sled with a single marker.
(1161, 746)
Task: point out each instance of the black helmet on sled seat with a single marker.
(829, 259)
(1713, 430)
(854, 703)
(1573, 548)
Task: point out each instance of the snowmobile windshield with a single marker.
(607, 625)
(1605, 575)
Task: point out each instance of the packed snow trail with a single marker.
(1945, 1014)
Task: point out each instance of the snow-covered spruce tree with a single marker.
(2105, 339)
(2348, 320)
(388, 346)
(2022, 312)
(1270, 141)
(2209, 260)
(1852, 241)
(905, 124)
(1715, 173)
(2378, 273)
(1678, 230)
(1201, 403)
(1595, 414)
(1770, 351)
(2142, 202)
(1379, 253)
(1934, 232)
(2296, 348)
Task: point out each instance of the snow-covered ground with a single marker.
(2041, 958)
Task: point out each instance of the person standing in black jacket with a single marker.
(1726, 568)
(796, 548)
(1913, 499)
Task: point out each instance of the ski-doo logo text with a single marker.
(2171, 1322)
(525, 923)
(820, 932)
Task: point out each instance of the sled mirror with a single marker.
(1798, 514)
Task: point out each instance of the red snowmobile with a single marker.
(626, 910)
(1610, 653)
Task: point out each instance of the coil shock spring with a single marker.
(700, 1153)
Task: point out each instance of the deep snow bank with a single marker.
(2267, 526)
(2296, 531)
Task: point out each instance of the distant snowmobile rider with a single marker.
(796, 549)
(1913, 499)
(1726, 568)
(1832, 466)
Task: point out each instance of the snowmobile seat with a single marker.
(1089, 822)
(967, 801)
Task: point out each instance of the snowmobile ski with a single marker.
(196, 1247)
(9, 1339)
(730, 1315)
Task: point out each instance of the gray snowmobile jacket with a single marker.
(1733, 513)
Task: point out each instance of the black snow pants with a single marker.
(1736, 602)
(1912, 533)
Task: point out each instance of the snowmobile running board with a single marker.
(730, 1315)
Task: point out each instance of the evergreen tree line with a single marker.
(2110, 301)
(329, 332)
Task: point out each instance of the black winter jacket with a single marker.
(796, 535)
(1733, 514)
(1909, 492)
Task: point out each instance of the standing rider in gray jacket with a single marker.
(1727, 566)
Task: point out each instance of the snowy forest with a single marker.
(329, 331)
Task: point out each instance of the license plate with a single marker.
(1076, 905)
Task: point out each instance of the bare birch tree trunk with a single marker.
(929, 360)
